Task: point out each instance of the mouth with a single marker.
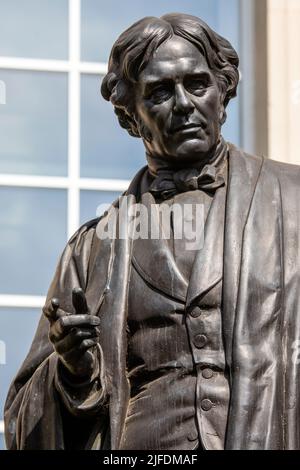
(185, 128)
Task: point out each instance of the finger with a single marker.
(64, 324)
(74, 339)
(79, 301)
(61, 313)
(88, 343)
(78, 351)
(50, 309)
(54, 303)
(74, 355)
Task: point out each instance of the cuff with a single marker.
(81, 398)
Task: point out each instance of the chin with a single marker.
(192, 150)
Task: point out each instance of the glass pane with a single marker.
(107, 150)
(34, 28)
(91, 200)
(101, 24)
(2, 442)
(17, 328)
(33, 231)
(231, 128)
(33, 123)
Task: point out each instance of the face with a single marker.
(179, 103)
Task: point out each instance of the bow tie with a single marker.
(167, 183)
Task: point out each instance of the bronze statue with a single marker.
(145, 344)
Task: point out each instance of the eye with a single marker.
(160, 94)
(196, 86)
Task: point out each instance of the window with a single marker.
(62, 152)
(36, 104)
(17, 326)
(27, 29)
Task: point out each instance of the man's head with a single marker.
(170, 80)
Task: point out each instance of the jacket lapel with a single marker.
(153, 258)
(208, 265)
(244, 171)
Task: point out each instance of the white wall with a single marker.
(284, 80)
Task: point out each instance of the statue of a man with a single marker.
(145, 343)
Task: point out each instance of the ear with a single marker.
(222, 111)
(143, 130)
(222, 116)
(145, 133)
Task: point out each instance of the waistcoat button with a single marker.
(195, 312)
(207, 373)
(200, 341)
(206, 404)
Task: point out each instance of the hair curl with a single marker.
(135, 46)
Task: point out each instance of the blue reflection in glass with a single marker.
(101, 23)
(34, 28)
(91, 200)
(33, 231)
(107, 151)
(34, 123)
(17, 328)
(231, 128)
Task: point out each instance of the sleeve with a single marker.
(42, 409)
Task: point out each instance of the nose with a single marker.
(182, 103)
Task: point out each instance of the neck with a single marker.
(214, 156)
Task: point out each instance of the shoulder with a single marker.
(88, 225)
(284, 173)
(84, 233)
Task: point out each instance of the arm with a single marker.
(38, 414)
(76, 343)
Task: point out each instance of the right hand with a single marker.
(74, 336)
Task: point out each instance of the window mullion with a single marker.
(74, 116)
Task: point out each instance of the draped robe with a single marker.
(260, 321)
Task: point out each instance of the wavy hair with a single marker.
(134, 48)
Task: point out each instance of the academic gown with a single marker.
(260, 321)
